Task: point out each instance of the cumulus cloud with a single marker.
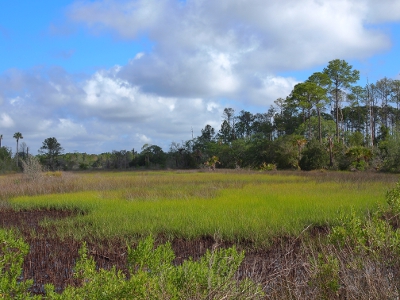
(208, 48)
(143, 117)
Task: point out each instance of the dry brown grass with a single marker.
(16, 185)
(354, 177)
(291, 269)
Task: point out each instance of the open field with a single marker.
(277, 218)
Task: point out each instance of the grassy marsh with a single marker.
(233, 206)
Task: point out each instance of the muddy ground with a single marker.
(51, 260)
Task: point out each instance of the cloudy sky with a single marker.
(115, 74)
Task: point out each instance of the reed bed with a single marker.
(250, 207)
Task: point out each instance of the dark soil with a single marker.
(51, 260)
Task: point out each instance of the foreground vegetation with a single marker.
(356, 259)
(152, 275)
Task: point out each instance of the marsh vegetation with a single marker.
(313, 235)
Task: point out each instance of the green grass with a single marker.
(233, 206)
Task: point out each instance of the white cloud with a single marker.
(112, 98)
(143, 139)
(206, 48)
(212, 105)
(269, 88)
(44, 125)
(17, 101)
(128, 17)
(139, 55)
(382, 11)
(6, 121)
(69, 128)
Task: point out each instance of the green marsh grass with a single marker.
(234, 206)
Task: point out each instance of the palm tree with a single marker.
(17, 136)
(1, 137)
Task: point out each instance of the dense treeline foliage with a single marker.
(326, 122)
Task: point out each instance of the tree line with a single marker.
(327, 121)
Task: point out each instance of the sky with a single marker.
(118, 74)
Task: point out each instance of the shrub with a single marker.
(360, 156)
(12, 253)
(267, 167)
(314, 157)
(286, 154)
(360, 260)
(326, 277)
(152, 275)
(32, 168)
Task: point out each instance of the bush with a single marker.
(12, 253)
(267, 167)
(152, 275)
(391, 149)
(326, 277)
(360, 259)
(359, 156)
(314, 157)
(286, 153)
(32, 168)
(7, 164)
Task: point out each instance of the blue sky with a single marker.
(112, 75)
(38, 33)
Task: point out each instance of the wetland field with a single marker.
(276, 218)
